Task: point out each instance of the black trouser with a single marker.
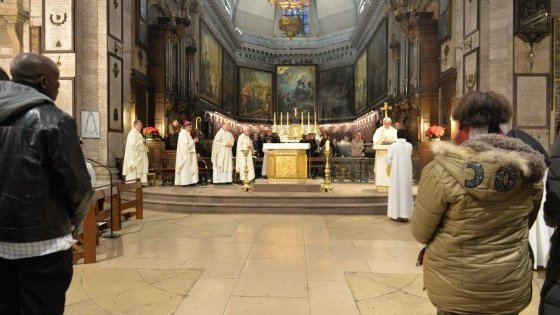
(35, 285)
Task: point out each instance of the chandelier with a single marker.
(289, 3)
(290, 25)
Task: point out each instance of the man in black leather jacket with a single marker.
(44, 189)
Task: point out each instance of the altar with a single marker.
(381, 172)
(285, 162)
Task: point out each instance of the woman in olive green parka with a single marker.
(473, 210)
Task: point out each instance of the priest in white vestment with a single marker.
(385, 133)
(244, 142)
(186, 161)
(222, 157)
(399, 158)
(135, 163)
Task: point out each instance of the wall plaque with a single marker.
(66, 63)
(115, 14)
(470, 17)
(115, 97)
(58, 26)
(65, 98)
(470, 73)
(531, 101)
(35, 39)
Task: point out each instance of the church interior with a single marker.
(311, 81)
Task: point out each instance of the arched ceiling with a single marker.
(258, 18)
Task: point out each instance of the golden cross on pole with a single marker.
(386, 108)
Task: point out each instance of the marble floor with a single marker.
(206, 264)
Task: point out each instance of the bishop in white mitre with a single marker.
(244, 142)
(222, 157)
(135, 164)
(186, 161)
(385, 133)
(399, 157)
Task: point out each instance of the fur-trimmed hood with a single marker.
(490, 154)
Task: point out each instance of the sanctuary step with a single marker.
(359, 199)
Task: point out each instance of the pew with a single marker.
(137, 203)
(88, 239)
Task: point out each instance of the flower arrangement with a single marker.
(150, 132)
(435, 131)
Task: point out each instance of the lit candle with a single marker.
(328, 145)
(281, 118)
(302, 118)
(287, 118)
(275, 119)
(308, 118)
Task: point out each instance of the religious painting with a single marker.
(360, 83)
(210, 66)
(90, 125)
(58, 26)
(255, 93)
(335, 93)
(377, 64)
(229, 84)
(65, 98)
(115, 13)
(296, 87)
(470, 72)
(444, 20)
(470, 17)
(115, 96)
(35, 39)
(142, 23)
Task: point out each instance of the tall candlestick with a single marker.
(281, 118)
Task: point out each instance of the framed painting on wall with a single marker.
(115, 19)
(229, 84)
(90, 125)
(210, 66)
(295, 86)
(470, 72)
(58, 26)
(470, 18)
(377, 64)
(335, 93)
(444, 20)
(255, 94)
(360, 84)
(115, 96)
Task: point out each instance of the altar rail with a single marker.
(343, 169)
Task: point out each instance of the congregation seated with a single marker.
(357, 146)
(344, 147)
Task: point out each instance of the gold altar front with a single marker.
(287, 166)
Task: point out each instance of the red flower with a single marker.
(435, 131)
(150, 131)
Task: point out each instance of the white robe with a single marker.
(540, 234)
(186, 162)
(135, 163)
(242, 142)
(222, 158)
(384, 134)
(399, 156)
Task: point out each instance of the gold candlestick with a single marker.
(327, 186)
(246, 184)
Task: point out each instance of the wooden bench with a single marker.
(137, 203)
(86, 247)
